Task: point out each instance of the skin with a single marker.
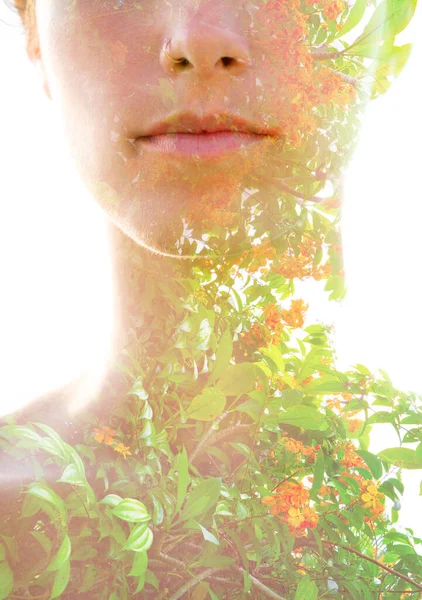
(104, 67)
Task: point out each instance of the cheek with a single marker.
(96, 57)
(99, 62)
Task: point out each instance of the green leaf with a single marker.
(238, 379)
(138, 390)
(140, 564)
(132, 511)
(202, 498)
(208, 536)
(89, 577)
(222, 357)
(62, 555)
(306, 590)
(401, 12)
(57, 440)
(61, 580)
(354, 18)
(43, 540)
(151, 578)
(302, 416)
(72, 475)
(6, 580)
(21, 431)
(273, 353)
(182, 478)
(111, 500)
(158, 514)
(254, 406)
(240, 547)
(140, 538)
(45, 493)
(405, 458)
(373, 462)
(207, 406)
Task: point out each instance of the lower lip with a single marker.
(201, 145)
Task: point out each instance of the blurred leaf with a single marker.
(61, 580)
(405, 458)
(207, 406)
(238, 379)
(62, 555)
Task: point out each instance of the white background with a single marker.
(55, 302)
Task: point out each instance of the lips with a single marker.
(209, 135)
(190, 122)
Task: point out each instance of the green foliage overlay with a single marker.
(183, 480)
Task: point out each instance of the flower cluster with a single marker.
(106, 435)
(371, 498)
(351, 459)
(291, 501)
(331, 9)
(297, 447)
(303, 85)
(295, 316)
(302, 265)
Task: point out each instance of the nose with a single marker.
(205, 49)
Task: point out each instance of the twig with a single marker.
(286, 479)
(206, 437)
(325, 54)
(192, 582)
(219, 435)
(299, 195)
(347, 78)
(226, 432)
(262, 587)
(375, 562)
(172, 561)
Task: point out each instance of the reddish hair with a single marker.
(26, 11)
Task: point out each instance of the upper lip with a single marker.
(192, 122)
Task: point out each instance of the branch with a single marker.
(172, 561)
(347, 78)
(320, 54)
(306, 542)
(262, 587)
(375, 562)
(298, 195)
(192, 582)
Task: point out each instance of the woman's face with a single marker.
(154, 140)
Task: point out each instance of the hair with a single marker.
(26, 12)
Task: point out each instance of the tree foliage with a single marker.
(227, 456)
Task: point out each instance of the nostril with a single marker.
(227, 61)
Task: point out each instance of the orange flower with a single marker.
(293, 445)
(351, 458)
(354, 425)
(291, 501)
(122, 449)
(104, 435)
